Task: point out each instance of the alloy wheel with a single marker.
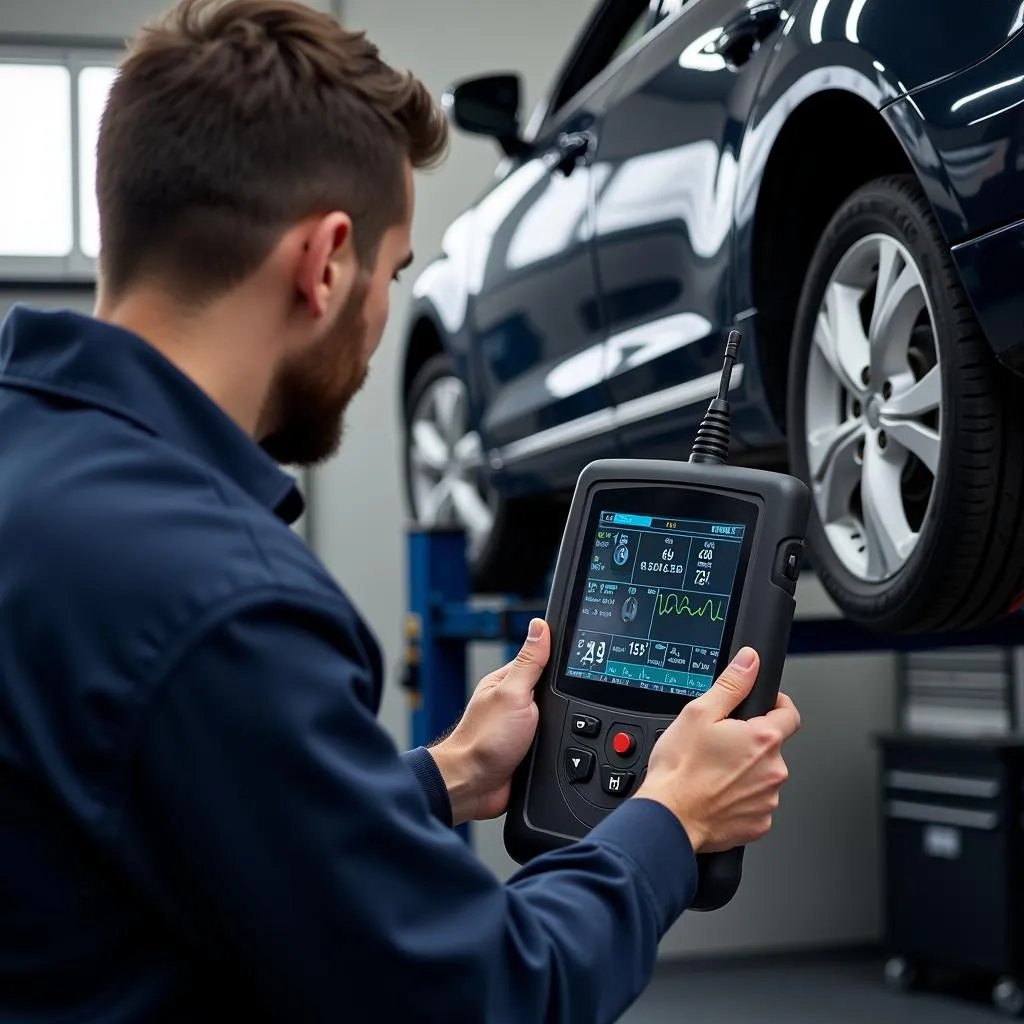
(873, 407)
(446, 474)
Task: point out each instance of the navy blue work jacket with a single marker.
(200, 817)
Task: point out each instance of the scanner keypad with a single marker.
(603, 759)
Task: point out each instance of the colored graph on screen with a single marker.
(679, 604)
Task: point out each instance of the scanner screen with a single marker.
(655, 601)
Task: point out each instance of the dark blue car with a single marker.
(841, 180)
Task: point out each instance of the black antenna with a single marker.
(712, 443)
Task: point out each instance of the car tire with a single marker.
(516, 551)
(925, 433)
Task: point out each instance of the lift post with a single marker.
(440, 624)
(439, 627)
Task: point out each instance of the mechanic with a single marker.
(200, 817)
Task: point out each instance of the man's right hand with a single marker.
(721, 776)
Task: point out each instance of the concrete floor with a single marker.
(837, 989)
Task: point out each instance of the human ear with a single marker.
(329, 265)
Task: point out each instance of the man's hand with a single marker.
(721, 776)
(478, 757)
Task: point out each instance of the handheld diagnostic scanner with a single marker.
(665, 570)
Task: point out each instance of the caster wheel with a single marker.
(901, 975)
(1008, 997)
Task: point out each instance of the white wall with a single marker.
(815, 879)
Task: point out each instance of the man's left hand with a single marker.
(478, 757)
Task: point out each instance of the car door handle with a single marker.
(742, 34)
(571, 148)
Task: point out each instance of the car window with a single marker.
(661, 9)
(617, 27)
(636, 31)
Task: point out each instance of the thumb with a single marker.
(525, 668)
(732, 685)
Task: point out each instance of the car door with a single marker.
(538, 331)
(663, 220)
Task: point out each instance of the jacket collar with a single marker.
(85, 360)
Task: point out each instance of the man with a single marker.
(200, 819)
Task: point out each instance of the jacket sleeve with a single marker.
(421, 763)
(276, 820)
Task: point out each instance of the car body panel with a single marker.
(537, 303)
(536, 363)
(663, 223)
(917, 42)
(991, 270)
(975, 122)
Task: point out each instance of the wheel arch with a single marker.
(861, 146)
(424, 340)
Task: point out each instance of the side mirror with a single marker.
(489, 106)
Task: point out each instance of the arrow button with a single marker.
(579, 764)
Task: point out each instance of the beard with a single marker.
(313, 389)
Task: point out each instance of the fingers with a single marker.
(745, 831)
(784, 717)
(521, 674)
(730, 688)
(784, 700)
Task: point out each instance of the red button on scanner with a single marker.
(623, 743)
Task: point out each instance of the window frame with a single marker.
(556, 106)
(608, 26)
(75, 57)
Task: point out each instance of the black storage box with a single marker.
(953, 812)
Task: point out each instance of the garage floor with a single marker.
(843, 989)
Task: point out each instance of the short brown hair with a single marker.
(230, 121)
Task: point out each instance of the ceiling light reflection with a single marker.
(852, 17)
(971, 97)
(817, 21)
(700, 55)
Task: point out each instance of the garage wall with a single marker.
(815, 880)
